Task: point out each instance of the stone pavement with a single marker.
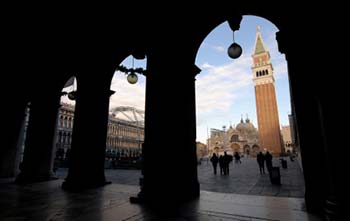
(244, 178)
(48, 201)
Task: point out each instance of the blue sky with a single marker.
(224, 88)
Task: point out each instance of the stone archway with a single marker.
(235, 147)
(255, 150)
(246, 150)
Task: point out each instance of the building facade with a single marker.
(242, 139)
(265, 96)
(201, 150)
(124, 138)
(65, 127)
(287, 138)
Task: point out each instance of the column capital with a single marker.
(111, 92)
(281, 37)
(101, 92)
(182, 70)
(189, 71)
(234, 22)
(196, 70)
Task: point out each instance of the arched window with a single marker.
(234, 138)
(65, 122)
(60, 137)
(61, 121)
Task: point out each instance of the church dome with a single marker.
(231, 130)
(245, 127)
(240, 126)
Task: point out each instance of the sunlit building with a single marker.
(202, 150)
(243, 138)
(265, 96)
(287, 138)
(123, 137)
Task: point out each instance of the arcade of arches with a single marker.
(72, 47)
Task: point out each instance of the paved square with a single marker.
(244, 178)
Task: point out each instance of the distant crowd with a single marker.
(224, 160)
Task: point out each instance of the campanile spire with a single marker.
(265, 96)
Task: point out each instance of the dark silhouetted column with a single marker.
(334, 208)
(170, 162)
(87, 156)
(314, 124)
(13, 127)
(39, 149)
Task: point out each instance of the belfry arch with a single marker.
(285, 41)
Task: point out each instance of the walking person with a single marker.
(268, 160)
(226, 161)
(214, 160)
(237, 157)
(260, 158)
(221, 165)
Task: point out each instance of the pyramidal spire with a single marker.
(259, 43)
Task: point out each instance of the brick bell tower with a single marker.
(265, 95)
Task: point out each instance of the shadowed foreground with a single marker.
(47, 201)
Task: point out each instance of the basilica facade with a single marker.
(242, 138)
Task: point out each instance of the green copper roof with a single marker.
(259, 48)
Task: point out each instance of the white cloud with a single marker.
(65, 99)
(206, 65)
(219, 48)
(127, 94)
(280, 70)
(219, 86)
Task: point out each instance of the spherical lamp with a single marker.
(72, 95)
(234, 51)
(132, 78)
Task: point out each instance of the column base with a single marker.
(332, 209)
(166, 197)
(164, 201)
(78, 186)
(23, 178)
(164, 205)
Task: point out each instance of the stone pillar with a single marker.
(334, 208)
(38, 153)
(55, 137)
(312, 122)
(170, 161)
(87, 156)
(13, 127)
(21, 141)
